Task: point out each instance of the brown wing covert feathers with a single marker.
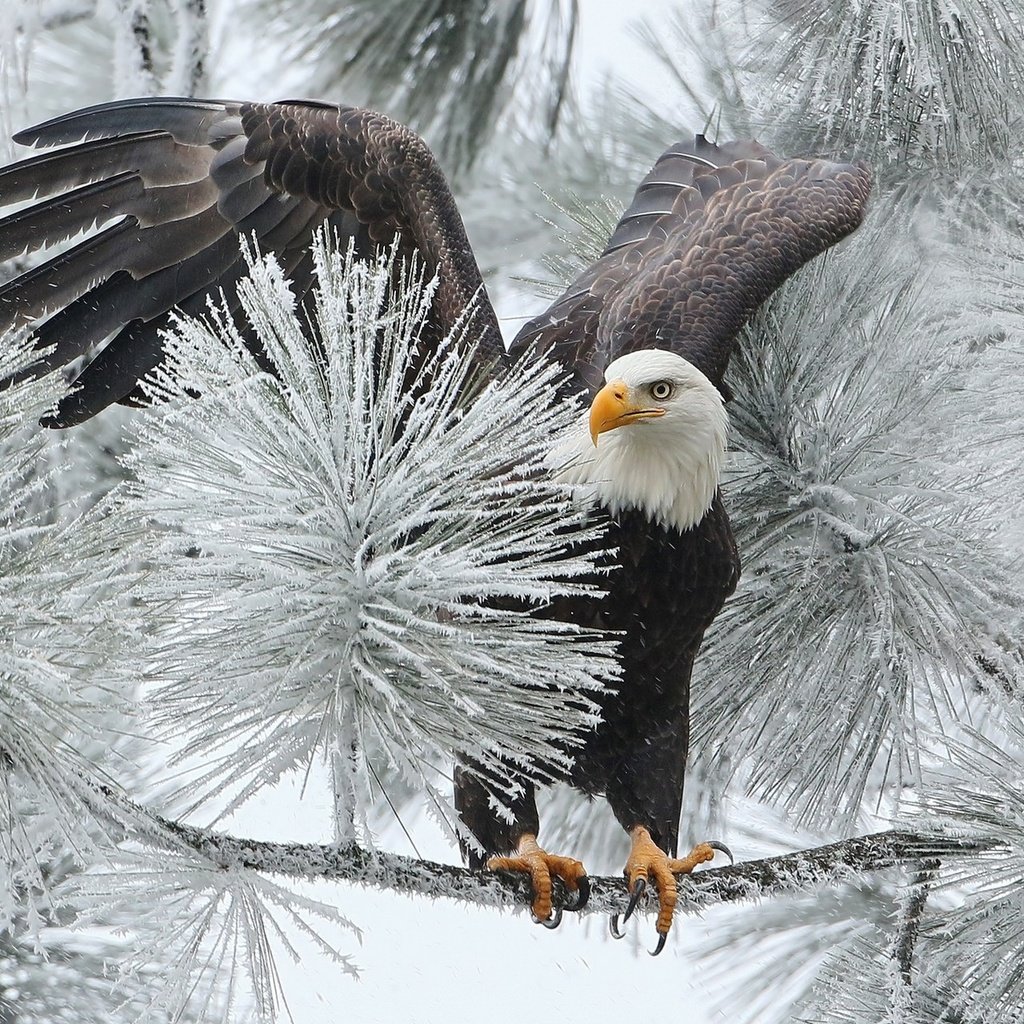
(359, 160)
(712, 231)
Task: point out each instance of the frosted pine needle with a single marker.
(52, 716)
(873, 591)
(903, 80)
(332, 567)
(976, 948)
(59, 725)
(216, 933)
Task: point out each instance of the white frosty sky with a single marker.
(428, 961)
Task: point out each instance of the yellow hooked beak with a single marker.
(615, 405)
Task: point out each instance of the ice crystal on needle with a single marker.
(335, 563)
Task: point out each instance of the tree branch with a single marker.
(192, 49)
(750, 880)
(911, 911)
(134, 67)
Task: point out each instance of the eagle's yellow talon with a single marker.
(541, 865)
(648, 863)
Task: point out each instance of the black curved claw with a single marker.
(722, 848)
(639, 888)
(552, 922)
(661, 944)
(582, 894)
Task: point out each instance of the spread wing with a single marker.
(171, 183)
(712, 231)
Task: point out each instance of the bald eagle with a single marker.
(645, 333)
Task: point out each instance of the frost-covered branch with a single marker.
(53, 14)
(188, 72)
(134, 62)
(749, 880)
(910, 911)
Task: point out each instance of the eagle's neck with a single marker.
(668, 471)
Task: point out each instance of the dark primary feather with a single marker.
(712, 231)
(181, 179)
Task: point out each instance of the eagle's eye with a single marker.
(661, 390)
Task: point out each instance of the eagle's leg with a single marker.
(542, 866)
(497, 834)
(648, 863)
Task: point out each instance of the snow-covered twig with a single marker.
(192, 51)
(135, 74)
(53, 14)
(911, 910)
(748, 880)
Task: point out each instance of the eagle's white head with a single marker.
(653, 439)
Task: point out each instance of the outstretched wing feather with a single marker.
(153, 155)
(712, 231)
(187, 120)
(63, 217)
(185, 177)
